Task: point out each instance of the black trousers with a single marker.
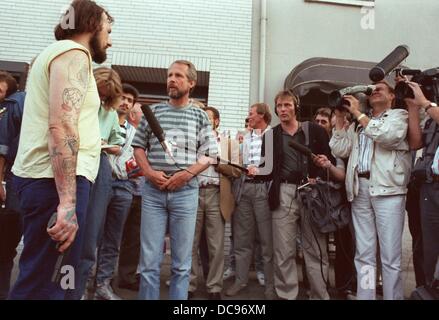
(430, 227)
(130, 246)
(344, 268)
(414, 215)
(11, 226)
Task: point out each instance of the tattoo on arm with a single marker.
(72, 143)
(78, 71)
(69, 95)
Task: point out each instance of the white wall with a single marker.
(214, 34)
(298, 30)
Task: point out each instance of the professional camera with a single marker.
(428, 80)
(336, 101)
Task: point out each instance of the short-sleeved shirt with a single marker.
(33, 159)
(109, 127)
(187, 128)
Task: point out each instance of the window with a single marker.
(361, 3)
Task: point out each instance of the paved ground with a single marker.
(256, 292)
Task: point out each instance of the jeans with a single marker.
(96, 211)
(180, 207)
(39, 200)
(108, 252)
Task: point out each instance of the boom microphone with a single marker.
(301, 148)
(389, 63)
(156, 128)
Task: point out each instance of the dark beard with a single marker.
(98, 54)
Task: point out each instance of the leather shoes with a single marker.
(214, 296)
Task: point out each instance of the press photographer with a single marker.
(426, 169)
(377, 174)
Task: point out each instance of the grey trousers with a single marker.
(253, 212)
(379, 217)
(209, 217)
(285, 223)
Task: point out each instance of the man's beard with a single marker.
(175, 93)
(98, 54)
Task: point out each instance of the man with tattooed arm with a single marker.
(58, 153)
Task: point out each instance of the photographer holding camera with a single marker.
(426, 171)
(377, 174)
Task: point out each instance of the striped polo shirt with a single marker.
(186, 128)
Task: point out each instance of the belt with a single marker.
(364, 175)
(209, 186)
(254, 181)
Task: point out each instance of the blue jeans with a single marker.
(38, 201)
(117, 213)
(180, 207)
(96, 211)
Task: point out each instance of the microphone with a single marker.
(389, 63)
(158, 132)
(157, 129)
(301, 148)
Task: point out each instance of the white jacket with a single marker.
(391, 159)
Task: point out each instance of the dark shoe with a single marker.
(214, 296)
(129, 286)
(190, 295)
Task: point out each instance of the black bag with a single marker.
(326, 205)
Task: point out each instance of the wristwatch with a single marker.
(431, 105)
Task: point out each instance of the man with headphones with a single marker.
(290, 170)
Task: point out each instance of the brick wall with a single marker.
(214, 34)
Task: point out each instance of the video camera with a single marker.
(428, 80)
(335, 98)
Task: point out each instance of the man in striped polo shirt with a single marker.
(171, 188)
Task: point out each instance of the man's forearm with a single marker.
(142, 161)
(63, 148)
(414, 130)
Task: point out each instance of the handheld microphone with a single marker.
(157, 129)
(301, 148)
(390, 62)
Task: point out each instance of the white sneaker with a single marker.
(228, 273)
(261, 278)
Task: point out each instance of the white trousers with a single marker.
(382, 218)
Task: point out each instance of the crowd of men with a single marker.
(76, 148)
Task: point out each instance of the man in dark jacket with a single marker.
(290, 170)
